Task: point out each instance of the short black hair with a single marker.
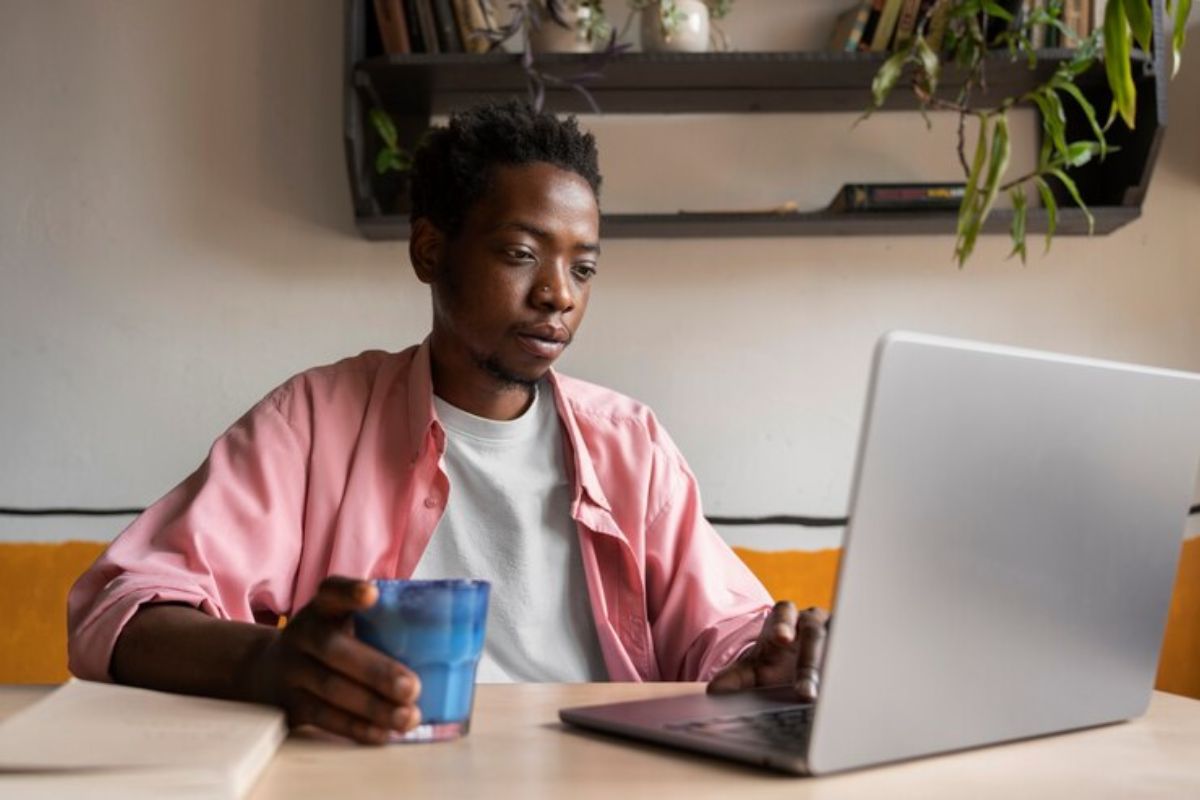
(453, 165)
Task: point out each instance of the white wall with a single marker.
(176, 239)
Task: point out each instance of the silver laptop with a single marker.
(1016, 521)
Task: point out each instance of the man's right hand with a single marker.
(318, 672)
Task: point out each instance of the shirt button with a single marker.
(431, 502)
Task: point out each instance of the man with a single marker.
(464, 456)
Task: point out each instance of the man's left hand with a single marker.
(788, 651)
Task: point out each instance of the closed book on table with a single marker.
(100, 740)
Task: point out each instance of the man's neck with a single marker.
(472, 389)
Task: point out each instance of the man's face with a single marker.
(511, 289)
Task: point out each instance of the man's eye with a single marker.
(519, 255)
(584, 272)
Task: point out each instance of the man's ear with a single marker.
(426, 249)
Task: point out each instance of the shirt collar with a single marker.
(585, 472)
(422, 421)
(421, 417)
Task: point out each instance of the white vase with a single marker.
(550, 37)
(690, 35)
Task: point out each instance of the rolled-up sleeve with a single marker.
(226, 540)
(705, 604)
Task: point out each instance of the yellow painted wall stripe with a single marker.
(35, 578)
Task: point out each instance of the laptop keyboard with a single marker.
(786, 729)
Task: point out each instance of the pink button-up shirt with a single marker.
(337, 472)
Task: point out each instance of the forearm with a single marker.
(181, 649)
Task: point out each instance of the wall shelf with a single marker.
(1070, 222)
(414, 87)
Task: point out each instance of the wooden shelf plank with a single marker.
(681, 82)
(1071, 222)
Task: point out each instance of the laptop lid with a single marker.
(1016, 525)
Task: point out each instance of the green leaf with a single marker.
(1053, 118)
(1018, 224)
(385, 127)
(886, 77)
(969, 220)
(983, 199)
(972, 188)
(1080, 153)
(1074, 191)
(930, 65)
(1182, 9)
(1116, 61)
(1001, 152)
(1089, 111)
(996, 10)
(383, 161)
(1141, 21)
(1051, 206)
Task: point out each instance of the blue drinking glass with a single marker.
(436, 629)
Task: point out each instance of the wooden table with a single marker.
(518, 748)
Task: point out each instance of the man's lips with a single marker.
(544, 341)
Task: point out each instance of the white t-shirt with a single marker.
(508, 521)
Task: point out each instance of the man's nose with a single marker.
(553, 290)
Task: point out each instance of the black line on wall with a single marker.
(773, 519)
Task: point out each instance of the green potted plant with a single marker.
(687, 26)
(566, 26)
(985, 167)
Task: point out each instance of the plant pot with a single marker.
(686, 32)
(550, 37)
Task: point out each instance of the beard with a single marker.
(494, 367)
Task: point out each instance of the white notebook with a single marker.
(100, 740)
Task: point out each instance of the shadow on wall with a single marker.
(1181, 150)
(299, 90)
(254, 113)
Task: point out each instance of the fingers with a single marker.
(309, 709)
(770, 658)
(338, 691)
(331, 680)
(779, 629)
(362, 664)
(811, 627)
(735, 677)
(338, 596)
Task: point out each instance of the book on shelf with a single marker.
(473, 16)
(393, 28)
(1077, 17)
(1037, 36)
(1099, 7)
(412, 20)
(842, 37)
(428, 25)
(879, 197)
(937, 26)
(881, 38)
(872, 23)
(101, 740)
(906, 26)
(447, 27)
